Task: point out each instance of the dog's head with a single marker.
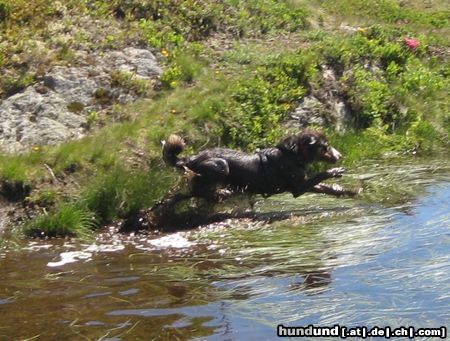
(310, 146)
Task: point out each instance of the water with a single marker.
(380, 260)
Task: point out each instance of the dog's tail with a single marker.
(171, 148)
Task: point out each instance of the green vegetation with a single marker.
(233, 71)
(121, 192)
(67, 220)
(13, 170)
(419, 15)
(128, 82)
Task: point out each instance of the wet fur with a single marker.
(270, 171)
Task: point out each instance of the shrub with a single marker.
(183, 68)
(369, 96)
(422, 135)
(259, 104)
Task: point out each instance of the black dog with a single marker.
(269, 171)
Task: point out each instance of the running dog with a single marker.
(269, 171)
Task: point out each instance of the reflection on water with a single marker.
(383, 259)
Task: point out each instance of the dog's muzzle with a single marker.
(333, 155)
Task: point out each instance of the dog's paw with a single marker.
(336, 172)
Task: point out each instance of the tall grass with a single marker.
(118, 193)
(13, 170)
(121, 192)
(68, 220)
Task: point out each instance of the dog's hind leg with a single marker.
(214, 169)
(210, 174)
(205, 188)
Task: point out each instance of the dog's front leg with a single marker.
(333, 189)
(308, 185)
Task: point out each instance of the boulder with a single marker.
(56, 108)
(324, 106)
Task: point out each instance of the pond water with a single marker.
(382, 259)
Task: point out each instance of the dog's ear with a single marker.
(311, 138)
(289, 143)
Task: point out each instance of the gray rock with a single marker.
(310, 112)
(56, 109)
(138, 61)
(325, 106)
(331, 94)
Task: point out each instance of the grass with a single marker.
(419, 16)
(237, 95)
(13, 170)
(120, 192)
(67, 220)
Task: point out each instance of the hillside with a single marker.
(89, 89)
